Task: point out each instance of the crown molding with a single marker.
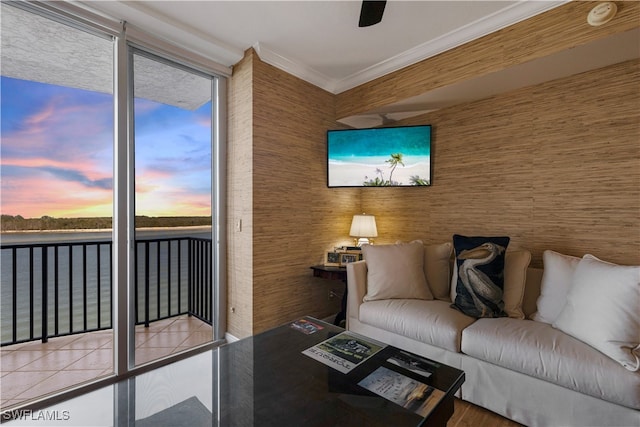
(513, 14)
(472, 31)
(145, 19)
(181, 35)
(297, 69)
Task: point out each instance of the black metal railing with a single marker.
(173, 277)
(55, 289)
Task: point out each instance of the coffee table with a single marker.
(266, 380)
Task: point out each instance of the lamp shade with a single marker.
(363, 225)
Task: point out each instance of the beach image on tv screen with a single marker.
(379, 157)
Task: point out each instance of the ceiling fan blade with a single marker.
(371, 13)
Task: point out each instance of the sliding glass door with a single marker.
(173, 207)
(57, 202)
(108, 198)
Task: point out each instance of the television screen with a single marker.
(379, 157)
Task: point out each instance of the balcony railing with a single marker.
(56, 289)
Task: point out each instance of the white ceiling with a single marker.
(319, 41)
(606, 51)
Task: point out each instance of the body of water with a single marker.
(62, 236)
(76, 278)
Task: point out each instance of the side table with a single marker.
(334, 273)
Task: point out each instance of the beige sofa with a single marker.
(525, 370)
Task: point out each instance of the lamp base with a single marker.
(363, 241)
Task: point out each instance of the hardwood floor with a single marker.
(467, 415)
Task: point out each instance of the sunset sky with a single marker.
(57, 154)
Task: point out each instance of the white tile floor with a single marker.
(34, 369)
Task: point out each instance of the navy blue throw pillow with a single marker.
(480, 268)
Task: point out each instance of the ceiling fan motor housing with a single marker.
(371, 13)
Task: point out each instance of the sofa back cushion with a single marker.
(516, 264)
(437, 269)
(531, 291)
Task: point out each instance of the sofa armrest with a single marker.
(357, 288)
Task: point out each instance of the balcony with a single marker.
(33, 369)
(57, 303)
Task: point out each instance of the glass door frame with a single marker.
(124, 202)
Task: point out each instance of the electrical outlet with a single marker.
(331, 295)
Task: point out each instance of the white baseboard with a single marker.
(230, 338)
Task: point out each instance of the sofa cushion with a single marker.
(556, 280)
(516, 264)
(437, 269)
(431, 322)
(396, 271)
(602, 309)
(539, 350)
(480, 270)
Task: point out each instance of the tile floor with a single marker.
(33, 369)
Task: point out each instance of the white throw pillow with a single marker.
(557, 277)
(396, 271)
(516, 264)
(602, 309)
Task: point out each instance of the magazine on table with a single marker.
(402, 390)
(416, 364)
(305, 326)
(345, 351)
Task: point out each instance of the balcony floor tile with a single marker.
(34, 369)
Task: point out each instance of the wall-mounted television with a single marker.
(379, 157)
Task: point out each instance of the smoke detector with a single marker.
(602, 13)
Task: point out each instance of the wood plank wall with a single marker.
(553, 166)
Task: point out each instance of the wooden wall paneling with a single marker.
(554, 166)
(553, 31)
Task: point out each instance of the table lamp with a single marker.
(363, 227)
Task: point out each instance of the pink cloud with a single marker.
(59, 162)
(204, 121)
(52, 197)
(41, 116)
(38, 162)
(57, 130)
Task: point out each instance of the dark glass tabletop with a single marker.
(266, 380)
